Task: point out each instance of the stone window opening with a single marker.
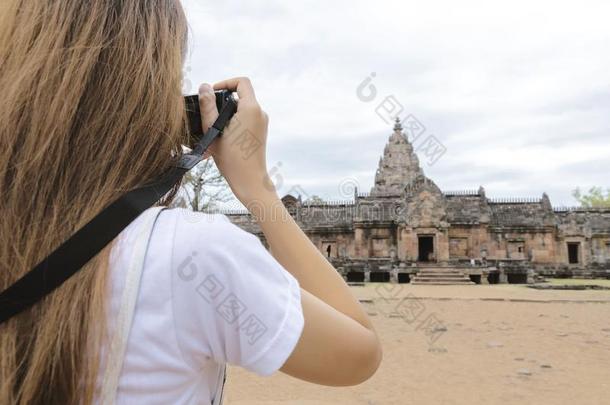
(380, 247)
(458, 247)
(329, 248)
(516, 249)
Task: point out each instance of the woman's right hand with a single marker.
(240, 153)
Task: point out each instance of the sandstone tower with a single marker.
(398, 166)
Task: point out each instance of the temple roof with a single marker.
(466, 209)
(518, 214)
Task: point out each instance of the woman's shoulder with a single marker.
(179, 234)
(212, 228)
(194, 217)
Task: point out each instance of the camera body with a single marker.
(193, 112)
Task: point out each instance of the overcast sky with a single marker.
(517, 93)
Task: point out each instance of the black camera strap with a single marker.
(88, 241)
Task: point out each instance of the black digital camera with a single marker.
(195, 127)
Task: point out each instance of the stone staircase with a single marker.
(440, 275)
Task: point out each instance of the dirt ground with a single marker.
(497, 344)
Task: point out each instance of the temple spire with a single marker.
(397, 125)
(398, 166)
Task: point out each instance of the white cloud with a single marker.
(519, 92)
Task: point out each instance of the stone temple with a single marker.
(407, 230)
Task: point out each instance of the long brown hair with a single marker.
(90, 107)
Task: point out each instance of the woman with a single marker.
(91, 107)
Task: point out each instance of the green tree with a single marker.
(595, 197)
(203, 188)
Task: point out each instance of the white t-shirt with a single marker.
(210, 294)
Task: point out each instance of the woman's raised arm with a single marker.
(338, 345)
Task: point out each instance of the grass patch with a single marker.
(577, 281)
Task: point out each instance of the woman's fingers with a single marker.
(241, 85)
(207, 104)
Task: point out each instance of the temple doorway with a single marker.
(573, 252)
(426, 248)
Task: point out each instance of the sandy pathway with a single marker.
(467, 345)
